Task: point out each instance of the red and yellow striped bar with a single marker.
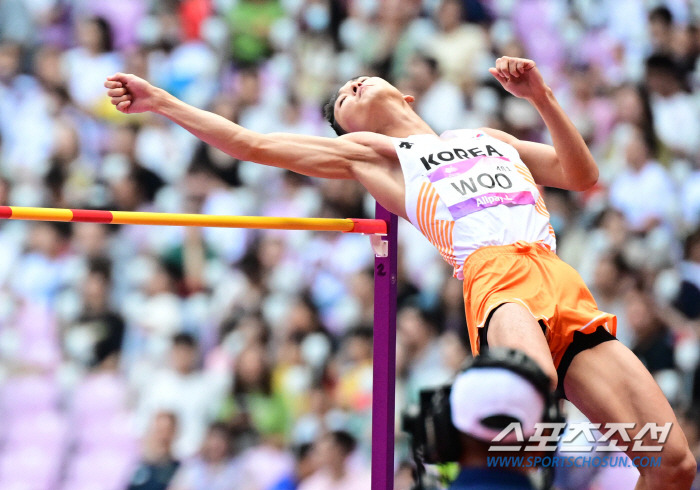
(366, 226)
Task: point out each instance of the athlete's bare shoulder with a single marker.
(381, 175)
(500, 135)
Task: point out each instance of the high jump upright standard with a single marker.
(384, 363)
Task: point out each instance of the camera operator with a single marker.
(459, 423)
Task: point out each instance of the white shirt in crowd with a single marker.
(442, 106)
(644, 194)
(195, 398)
(677, 122)
(86, 74)
(690, 197)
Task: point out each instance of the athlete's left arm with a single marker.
(568, 164)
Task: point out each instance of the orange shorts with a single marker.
(531, 275)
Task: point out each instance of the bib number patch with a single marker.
(471, 185)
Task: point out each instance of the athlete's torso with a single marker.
(467, 190)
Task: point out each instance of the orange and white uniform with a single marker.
(473, 197)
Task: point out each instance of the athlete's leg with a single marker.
(609, 384)
(511, 325)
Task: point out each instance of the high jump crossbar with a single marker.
(383, 234)
(366, 226)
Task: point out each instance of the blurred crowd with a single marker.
(215, 359)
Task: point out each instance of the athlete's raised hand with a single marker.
(131, 94)
(519, 76)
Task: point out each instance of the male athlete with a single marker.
(473, 194)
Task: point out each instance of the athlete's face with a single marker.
(364, 104)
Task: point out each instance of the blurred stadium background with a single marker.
(145, 357)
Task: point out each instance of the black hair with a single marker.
(302, 451)
(233, 320)
(106, 36)
(329, 111)
(202, 163)
(690, 241)
(430, 318)
(147, 182)
(185, 339)
(663, 64)
(329, 115)
(103, 349)
(647, 125)
(430, 61)
(621, 265)
(344, 440)
(263, 386)
(661, 14)
(362, 332)
(54, 179)
(101, 266)
(648, 137)
(63, 228)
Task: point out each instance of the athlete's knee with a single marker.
(677, 468)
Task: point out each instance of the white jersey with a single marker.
(467, 190)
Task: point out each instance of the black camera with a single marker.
(435, 439)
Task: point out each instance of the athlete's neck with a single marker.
(405, 122)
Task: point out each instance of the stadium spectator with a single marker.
(676, 119)
(253, 406)
(643, 192)
(157, 466)
(305, 466)
(439, 102)
(337, 470)
(661, 29)
(457, 46)
(612, 280)
(690, 198)
(426, 366)
(652, 341)
(192, 395)
(354, 390)
(251, 21)
(688, 299)
(86, 63)
(213, 468)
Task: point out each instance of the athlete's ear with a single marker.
(409, 98)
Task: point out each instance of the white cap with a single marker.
(479, 393)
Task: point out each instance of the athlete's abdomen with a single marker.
(497, 225)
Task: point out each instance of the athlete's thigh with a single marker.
(513, 326)
(610, 385)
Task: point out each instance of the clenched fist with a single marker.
(131, 94)
(520, 77)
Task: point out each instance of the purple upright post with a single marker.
(384, 387)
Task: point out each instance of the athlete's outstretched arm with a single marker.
(334, 158)
(569, 165)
